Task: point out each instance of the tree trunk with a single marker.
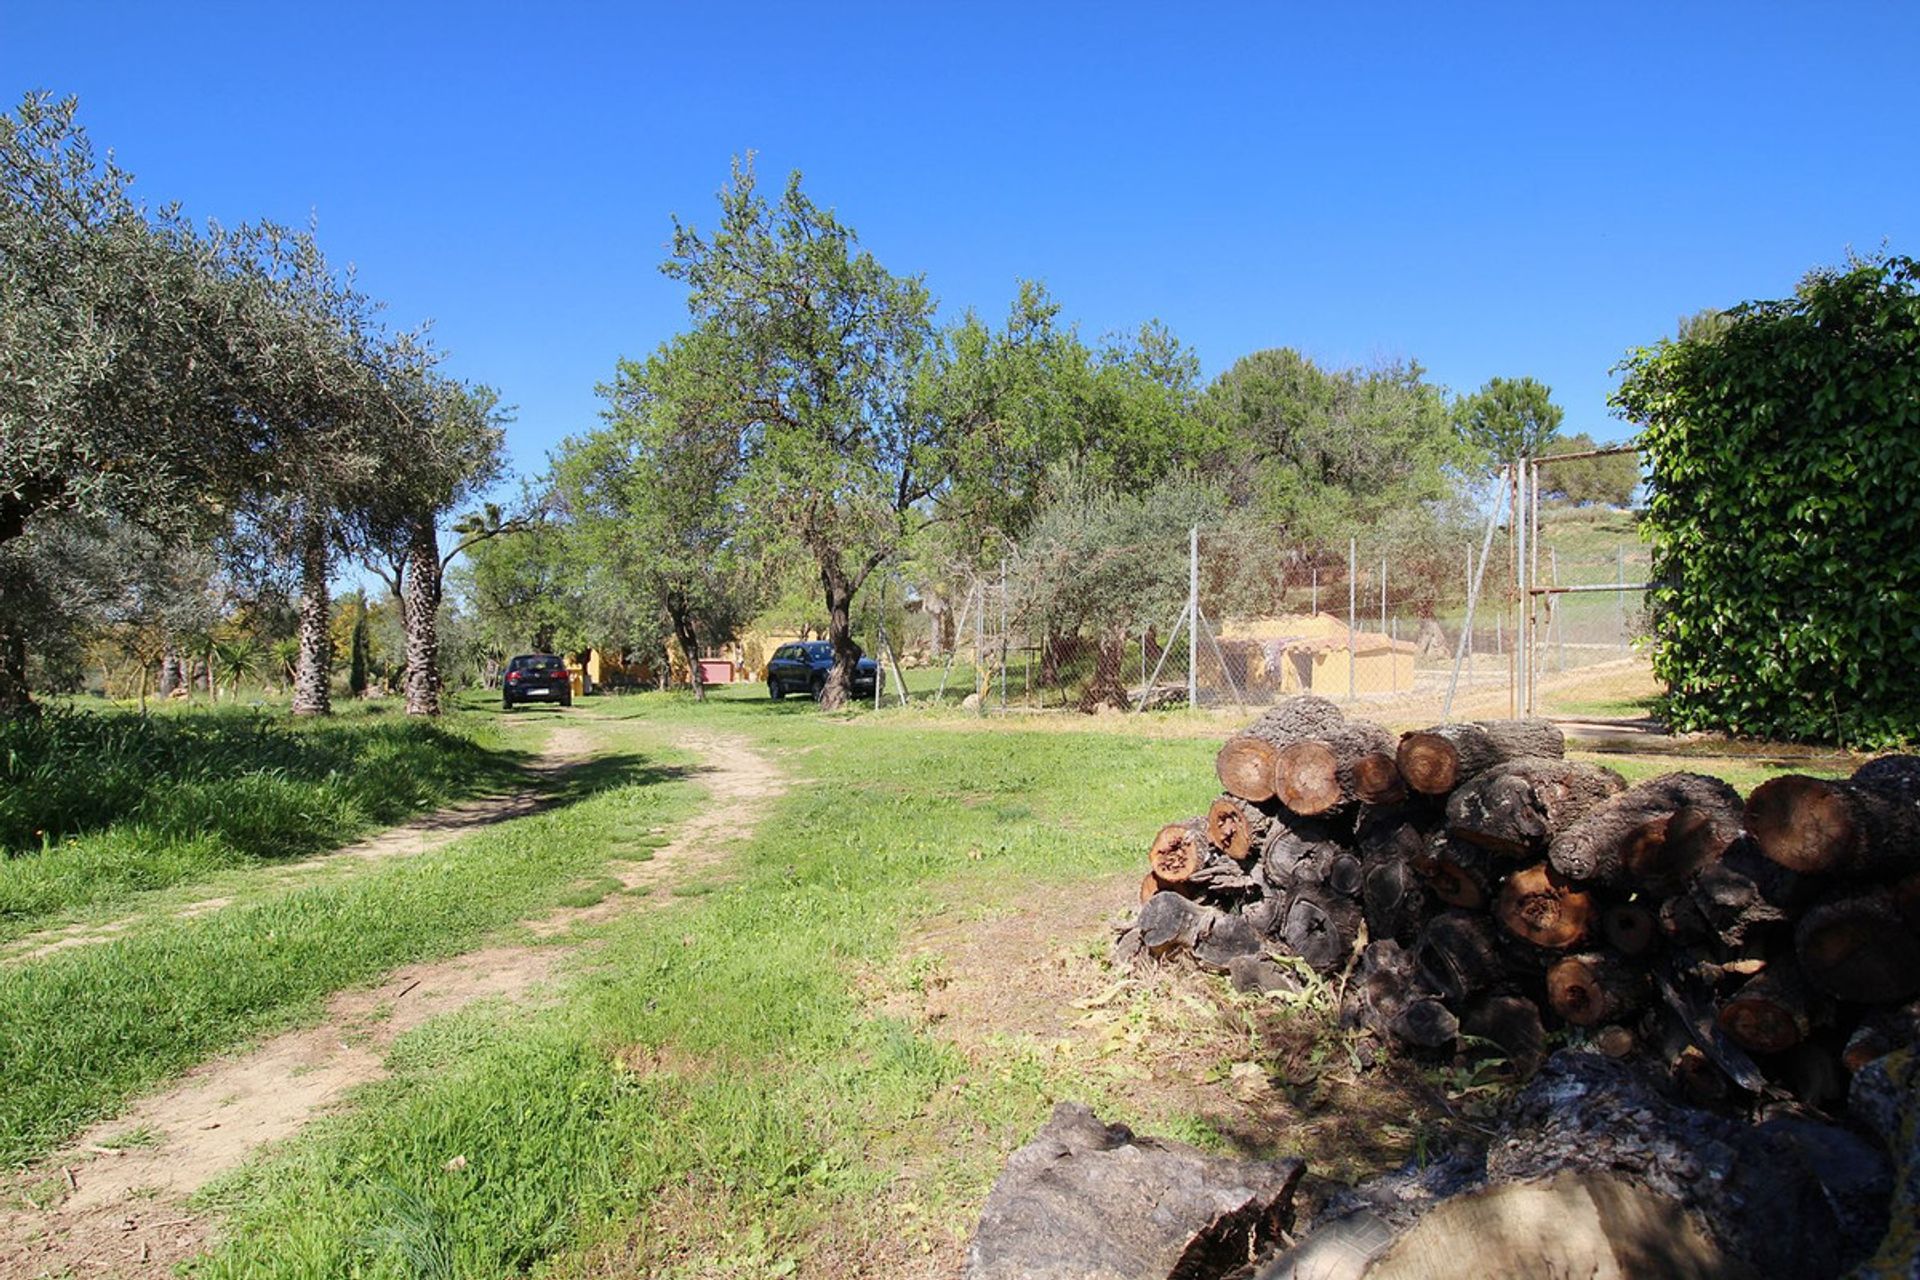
(420, 588)
(170, 671)
(683, 631)
(15, 699)
(313, 676)
(1109, 686)
(846, 654)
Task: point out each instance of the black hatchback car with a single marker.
(803, 668)
(536, 677)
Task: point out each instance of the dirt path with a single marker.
(568, 746)
(121, 1211)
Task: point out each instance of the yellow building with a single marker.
(1312, 653)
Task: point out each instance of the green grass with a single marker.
(783, 1098)
(83, 1029)
(97, 806)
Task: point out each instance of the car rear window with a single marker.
(543, 666)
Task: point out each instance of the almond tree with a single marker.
(820, 346)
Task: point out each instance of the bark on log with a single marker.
(1854, 828)
(1857, 947)
(1088, 1201)
(1238, 828)
(1590, 989)
(1516, 808)
(1597, 1226)
(1437, 760)
(1319, 774)
(1881, 1033)
(1179, 850)
(1543, 907)
(1769, 1012)
(1245, 764)
(1653, 835)
(1398, 831)
(1742, 897)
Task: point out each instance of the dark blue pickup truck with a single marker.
(803, 668)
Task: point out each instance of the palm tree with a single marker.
(234, 660)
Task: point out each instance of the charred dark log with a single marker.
(1299, 850)
(1245, 764)
(1653, 835)
(1858, 947)
(1320, 926)
(1399, 831)
(1512, 1023)
(1169, 922)
(1539, 905)
(1631, 928)
(1435, 761)
(1457, 955)
(1393, 899)
(1516, 808)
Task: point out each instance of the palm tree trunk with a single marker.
(420, 607)
(313, 675)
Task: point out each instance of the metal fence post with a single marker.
(1193, 618)
(1353, 612)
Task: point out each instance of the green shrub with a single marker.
(1784, 509)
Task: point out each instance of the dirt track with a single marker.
(122, 1211)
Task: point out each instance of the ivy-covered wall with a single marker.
(1783, 443)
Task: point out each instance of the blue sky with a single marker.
(1490, 190)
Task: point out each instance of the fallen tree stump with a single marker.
(1089, 1201)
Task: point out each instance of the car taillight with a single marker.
(513, 676)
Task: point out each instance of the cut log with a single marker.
(1225, 937)
(1615, 1041)
(1299, 851)
(1631, 928)
(1690, 1005)
(1345, 875)
(1892, 775)
(1150, 886)
(1179, 849)
(1320, 927)
(1457, 955)
(1455, 872)
(1856, 828)
(1393, 900)
(1513, 1024)
(1769, 1013)
(1376, 777)
(1856, 946)
(1435, 761)
(1880, 1033)
(1245, 764)
(1238, 828)
(1425, 1023)
(1319, 774)
(1543, 907)
(1590, 989)
(1653, 835)
(1516, 808)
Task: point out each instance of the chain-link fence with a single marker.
(1369, 619)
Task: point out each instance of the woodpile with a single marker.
(1469, 879)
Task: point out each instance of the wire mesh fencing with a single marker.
(1245, 618)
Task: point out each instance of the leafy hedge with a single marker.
(1783, 440)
